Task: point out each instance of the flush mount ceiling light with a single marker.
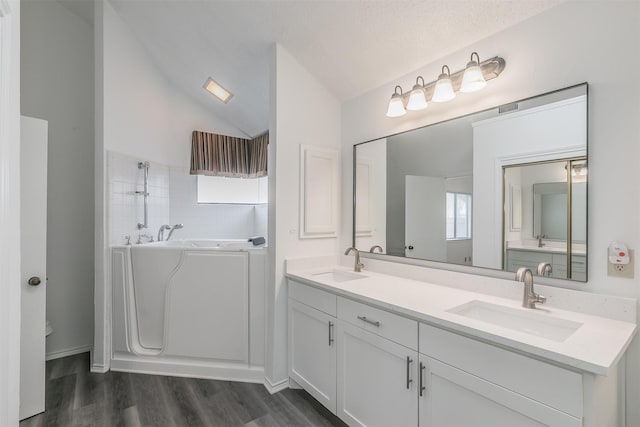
(417, 100)
(216, 90)
(473, 78)
(396, 104)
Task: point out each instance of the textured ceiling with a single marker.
(350, 46)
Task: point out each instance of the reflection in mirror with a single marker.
(536, 225)
(437, 193)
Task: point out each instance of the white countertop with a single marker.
(595, 347)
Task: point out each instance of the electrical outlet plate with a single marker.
(619, 270)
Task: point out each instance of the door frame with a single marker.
(10, 210)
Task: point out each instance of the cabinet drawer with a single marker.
(313, 297)
(549, 384)
(391, 326)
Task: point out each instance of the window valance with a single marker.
(222, 155)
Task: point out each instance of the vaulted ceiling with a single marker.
(350, 46)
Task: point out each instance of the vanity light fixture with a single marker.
(473, 78)
(444, 89)
(417, 100)
(215, 89)
(396, 104)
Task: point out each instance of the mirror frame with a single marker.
(482, 271)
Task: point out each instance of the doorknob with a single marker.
(410, 247)
(34, 281)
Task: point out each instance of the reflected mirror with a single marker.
(502, 188)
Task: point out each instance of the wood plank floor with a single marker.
(77, 397)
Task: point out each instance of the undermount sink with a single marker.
(338, 275)
(525, 320)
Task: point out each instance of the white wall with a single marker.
(291, 123)
(139, 114)
(10, 212)
(57, 86)
(545, 53)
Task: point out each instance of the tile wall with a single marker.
(172, 200)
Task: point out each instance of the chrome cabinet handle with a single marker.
(422, 387)
(371, 322)
(409, 380)
(330, 333)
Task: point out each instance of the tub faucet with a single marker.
(529, 298)
(544, 269)
(161, 232)
(174, 228)
(374, 247)
(358, 265)
(540, 237)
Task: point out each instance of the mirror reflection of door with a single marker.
(537, 198)
(425, 218)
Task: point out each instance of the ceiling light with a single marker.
(473, 80)
(216, 90)
(396, 104)
(417, 100)
(473, 77)
(444, 89)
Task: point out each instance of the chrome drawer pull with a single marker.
(371, 322)
(409, 380)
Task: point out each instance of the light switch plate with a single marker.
(626, 271)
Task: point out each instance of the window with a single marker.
(458, 216)
(219, 189)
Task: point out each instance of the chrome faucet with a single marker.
(540, 237)
(161, 232)
(358, 265)
(544, 269)
(174, 228)
(529, 298)
(373, 249)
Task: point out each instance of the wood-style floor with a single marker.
(77, 397)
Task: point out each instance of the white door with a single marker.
(454, 398)
(377, 380)
(312, 352)
(425, 213)
(33, 240)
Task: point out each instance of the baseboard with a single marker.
(99, 369)
(68, 352)
(187, 368)
(274, 387)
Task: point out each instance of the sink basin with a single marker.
(526, 320)
(338, 275)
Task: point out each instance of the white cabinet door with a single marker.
(312, 352)
(377, 380)
(453, 398)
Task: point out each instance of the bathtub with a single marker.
(189, 307)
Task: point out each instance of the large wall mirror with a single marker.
(502, 188)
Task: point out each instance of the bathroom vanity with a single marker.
(380, 348)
